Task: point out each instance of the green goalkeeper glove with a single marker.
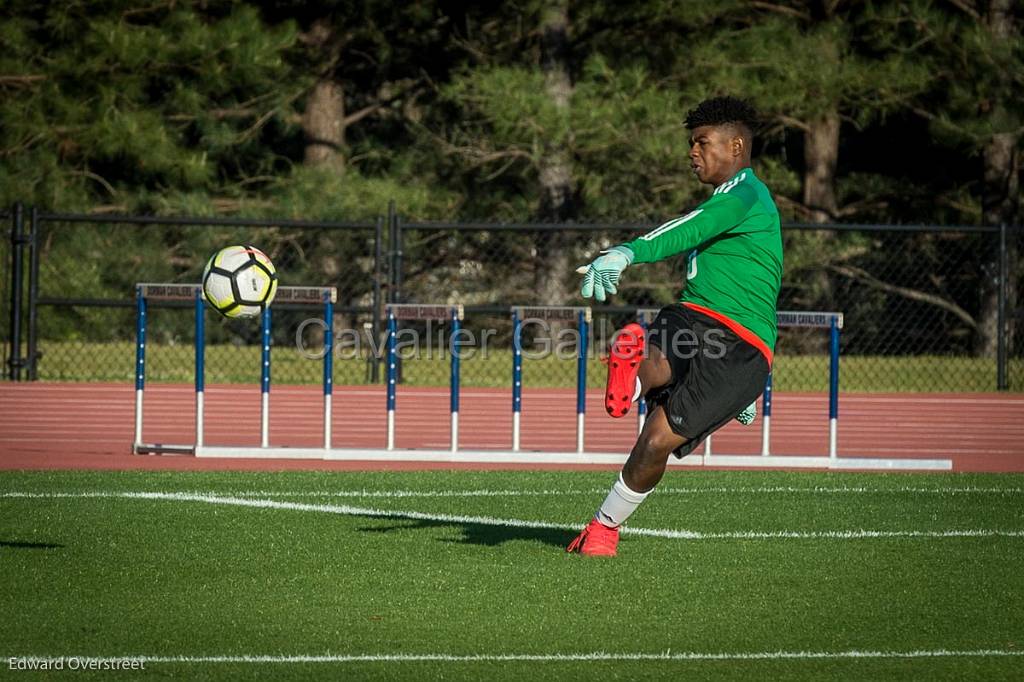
(748, 415)
(601, 277)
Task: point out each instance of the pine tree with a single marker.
(113, 106)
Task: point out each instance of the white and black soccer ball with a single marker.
(239, 281)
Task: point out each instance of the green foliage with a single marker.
(963, 111)
(623, 132)
(117, 103)
(196, 108)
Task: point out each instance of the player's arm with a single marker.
(719, 214)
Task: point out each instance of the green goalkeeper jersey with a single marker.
(734, 246)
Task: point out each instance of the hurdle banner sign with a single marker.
(418, 311)
(789, 318)
(169, 292)
(552, 312)
(188, 292)
(310, 295)
(454, 313)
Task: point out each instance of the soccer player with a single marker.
(706, 358)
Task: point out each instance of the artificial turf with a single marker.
(127, 576)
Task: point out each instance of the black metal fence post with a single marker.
(395, 269)
(378, 278)
(14, 362)
(1001, 326)
(33, 295)
(392, 252)
(399, 254)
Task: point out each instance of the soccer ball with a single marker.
(239, 281)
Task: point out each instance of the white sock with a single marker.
(639, 388)
(620, 503)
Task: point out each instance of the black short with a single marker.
(715, 373)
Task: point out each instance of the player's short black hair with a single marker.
(721, 111)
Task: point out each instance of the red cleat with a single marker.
(623, 364)
(596, 539)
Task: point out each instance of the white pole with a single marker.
(199, 419)
(138, 419)
(327, 421)
(515, 432)
(832, 438)
(766, 431)
(455, 431)
(391, 430)
(579, 432)
(265, 419)
(640, 421)
(707, 447)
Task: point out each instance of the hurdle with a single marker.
(193, 293)
(423, 312)
(833, 322)
(819, 320)
(525, 314)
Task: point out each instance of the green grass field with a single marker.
(86, 361)
(438, 575)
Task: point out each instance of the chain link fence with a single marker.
(87, 269)
(6, 254)
(922, 305)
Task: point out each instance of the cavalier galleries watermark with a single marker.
(538, 339)
(74, 663)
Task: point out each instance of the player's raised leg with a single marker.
(634, 367)
(624, 358)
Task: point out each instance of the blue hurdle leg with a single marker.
(140, 363)
(328, 367)
(833, 389)
(583, 327)
(392, 378)
(265, 380)
(766, 417)
(200, 343)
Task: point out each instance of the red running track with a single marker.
(65, 425)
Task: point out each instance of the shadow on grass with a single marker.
(482, 534)
(11, 544)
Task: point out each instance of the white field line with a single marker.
(562, 492)
(520, 523)
(765, 490)
(84, 662)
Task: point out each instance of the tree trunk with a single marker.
(999, 207)
(1000, 203)
(555, 171)
(554, 258)
(821, 154)
(323, 126)
(323, 122)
